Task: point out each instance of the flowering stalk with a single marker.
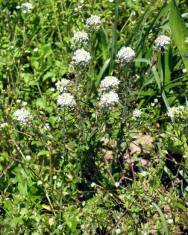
(161, 44)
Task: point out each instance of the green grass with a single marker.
(92, 169)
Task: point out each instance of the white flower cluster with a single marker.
(66, 100)
(3, 125)
(109, 82)
(162, 41)
(93, 21)
(22, 116)
(175, 111)
(125, 55)
(155, 101)
(137, 113)
(109, 99)
(78, 8)
(80, 37)
(46, 126)
(25, 7)
(27, 157)
(81, 57)
(62, 84)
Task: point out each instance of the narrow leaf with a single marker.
(179, 31)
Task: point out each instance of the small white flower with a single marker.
(93, 184)
(118, 231)
(93, 21)
(60, 227)
(54, 177)
(125, 55)
(117, 184)
(35, 49)
(46, 126)
(22, 115)
(39, 182)
(3, 125)
(137, 76)
(109, 82)
(80, 37)
(78, 8)
(144, 173)
(144, 233)
(137, 113)
(28, 158)
(156, 100)
(66, 100)
(62, 84)
(109, 99)
(171, 112)
(162, 41)
(51, 221)
(170, 221)
(174, 111)
(59, 184)
(26, 7)
(181, 172)
(81, 57)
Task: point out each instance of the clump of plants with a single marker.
(93, 119)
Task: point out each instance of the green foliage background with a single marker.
(69, 186)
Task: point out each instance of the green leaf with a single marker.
(165, 226)
(179, 31)
(28, 78)
(41, 102)
(114, 34)
(102, 71)
(167, 69)
(158, 81)
(42, 153)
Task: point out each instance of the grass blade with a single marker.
(158, 81)
(114, 35)
(102, 71)
(165, 226)
(179, 31)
